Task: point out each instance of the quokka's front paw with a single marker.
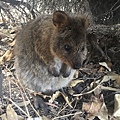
(54, 71)
(55, 66)
(65, 71)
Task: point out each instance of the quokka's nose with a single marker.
(77, 65)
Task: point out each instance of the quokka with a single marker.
(49, 49)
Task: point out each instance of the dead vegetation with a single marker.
(93, 94)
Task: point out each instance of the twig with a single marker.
(90, 90)
(65, 107)
(1, 80)
(77, 113)
(114, 5)
(15, 105)
(110, 88)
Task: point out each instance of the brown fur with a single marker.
(56, 44)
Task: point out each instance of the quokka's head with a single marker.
(69, 38)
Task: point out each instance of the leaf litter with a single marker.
(93, 94)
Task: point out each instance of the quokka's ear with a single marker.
(60, 19)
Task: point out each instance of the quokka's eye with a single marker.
(67, 47)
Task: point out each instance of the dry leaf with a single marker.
(66, 99)
(13, 31)
(117, 81)
(117, 106)
(7, 56)
(20, 118)
(90, 117)
(12, 43)
(96, 108)
(3, 116)
(93, 107)
(104, 64)
(111, 76)
(103, 113)
(54, 96)
(45, 118)
(10, 113)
